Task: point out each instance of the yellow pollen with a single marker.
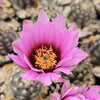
(45, 59)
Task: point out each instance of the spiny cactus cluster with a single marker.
(82, 74)
(95, 52)
(51, 89)
(50, 11)
(81, 12)
(23, 89)
(7, 36)
(23, 3)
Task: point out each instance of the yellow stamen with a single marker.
(45, 59)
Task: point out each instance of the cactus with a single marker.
(7, 36)
(24, 8)
(82, 74)
(95, 52)
(81, 12)
(51, 12)
(22, 3)
(23, 89)
(50, 89)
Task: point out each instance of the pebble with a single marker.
(96, 71)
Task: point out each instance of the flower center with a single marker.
(45, 59)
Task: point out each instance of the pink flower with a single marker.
(47, 48)
(77, 93)
(93, 93)
(1, 1)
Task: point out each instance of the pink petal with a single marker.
(31, 66)
(70, 40)
(73, 91)
(66, 42)
(69, 53)
(63, 69)
(49, 36)
(66, 92)
(60, 63)
(75, 40)
(38, 32)
(59, 22)
(64, 88)
(83, 89)
(35, 36)
(93, 93)
(55, 96)
(76, 97)
(73, 28)
(16, 47)
(26, 46)
(78, 56)
(20, 61)
(59, 80)
(57, 36)
(29, 75)
(54, 76)
(1, 1)
(47, 78)
(74, 35)
(43, 18)
(27, 27)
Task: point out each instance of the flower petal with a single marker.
(67, 41)
(30, 65)
(73, 28)
(68, 54)
(74, 35)
(63, 69)
(27, 27)
(76, 97)
(47, 78)
(26, 46)
(59, 22)
(29, 75)
(66, 92)
(70, 41)
(93, 93)
(78, 56)
(54, 76)
(84, 89)
(20, 61)
(35, 37)
(1, 1)
(65, 87)
(16, 47)
(55, 96)
(43, 18)
(73, 91)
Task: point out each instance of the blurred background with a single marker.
(85, 14)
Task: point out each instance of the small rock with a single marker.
(62, 2)
(96, 71)
(21, 14)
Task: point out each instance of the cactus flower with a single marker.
(47, 48)
(71, 93)
(1, 1)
